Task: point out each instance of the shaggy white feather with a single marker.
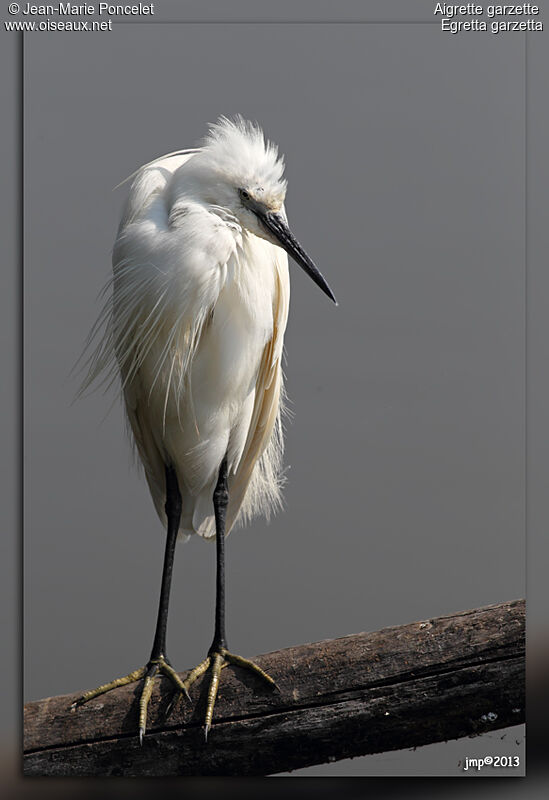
(194, 324)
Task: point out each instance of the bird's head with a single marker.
(241, 171)
(238, 170)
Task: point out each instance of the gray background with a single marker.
(405, 154)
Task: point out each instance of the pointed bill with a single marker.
(278, 228)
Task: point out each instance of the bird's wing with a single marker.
(151, 179)
(145, 444)
(170, 266)
(255, 487)
(156, 163)
(149, 184)
(168, 270)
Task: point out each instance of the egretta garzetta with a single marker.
(194, 325)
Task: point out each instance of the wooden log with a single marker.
(399, 687)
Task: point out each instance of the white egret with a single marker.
(194, 325)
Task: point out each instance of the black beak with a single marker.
(278, 228)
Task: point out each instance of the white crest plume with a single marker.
(237, 148)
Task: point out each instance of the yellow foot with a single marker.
(148, 672)
(218, 660)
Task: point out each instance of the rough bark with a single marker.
(399, 687)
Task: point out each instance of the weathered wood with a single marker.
(399, 687)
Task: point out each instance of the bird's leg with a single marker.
(218, 656)
(220, 502)
(173, 514)
(158, 661)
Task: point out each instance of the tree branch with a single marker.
(399, 687)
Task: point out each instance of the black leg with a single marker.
(173, 513)
(220, 501)
(218, 655)
(158, 663)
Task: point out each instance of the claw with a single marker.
(217, 660)
(247, 664)
(106, 687)
(214, 686)
(174, 701)
(194, 674)
(144, 701)
(155, 666)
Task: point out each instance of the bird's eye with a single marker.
(244, 195)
